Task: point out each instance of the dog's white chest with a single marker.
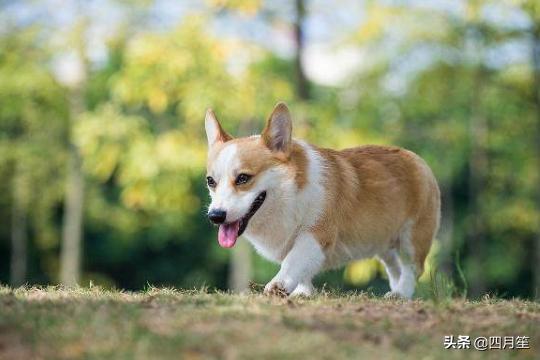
(272, 246)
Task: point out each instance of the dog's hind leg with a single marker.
(404, 286)
(407, 280)
(414, 241)
(390, 261)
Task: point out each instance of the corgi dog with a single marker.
(309, 208)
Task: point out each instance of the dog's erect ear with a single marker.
(278, 130)
(214, 131)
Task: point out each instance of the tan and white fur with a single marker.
(323, 207)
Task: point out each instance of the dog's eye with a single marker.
(210, 181)
(242, 179)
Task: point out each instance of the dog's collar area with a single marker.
(259, 200)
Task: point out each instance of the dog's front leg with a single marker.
(301, 264)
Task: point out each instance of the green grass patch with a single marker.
(92, 323)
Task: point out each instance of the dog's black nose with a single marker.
(217, 216)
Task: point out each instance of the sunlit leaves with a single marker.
(104, 136)
(184, 70)
(152, 170)
(246, 7)
(176, 150)
(377, 21)
(33, 129)
(360, 273)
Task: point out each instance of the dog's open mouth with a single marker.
(228, 233)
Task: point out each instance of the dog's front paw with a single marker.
(275, 288)
(280, 287)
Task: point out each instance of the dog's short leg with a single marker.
(391, 263)
(407, 279)
(301, 264)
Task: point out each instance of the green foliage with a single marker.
(33, 133)
(143, 148)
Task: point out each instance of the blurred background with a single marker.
(102, 145)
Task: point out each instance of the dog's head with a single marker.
(243, 172)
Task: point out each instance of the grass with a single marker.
(92, 323)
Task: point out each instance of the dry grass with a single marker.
(56, 323)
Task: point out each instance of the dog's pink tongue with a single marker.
(228, 233)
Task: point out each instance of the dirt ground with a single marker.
(55, 323)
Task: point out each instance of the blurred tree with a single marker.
(450, 84)
(475, 38)
(19, 232)
(32, 149)
(533, 10)
(72, 230)
(151, 162)
(302, 84)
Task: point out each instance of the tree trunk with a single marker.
(536, 92)
(446, 233)
(19, 230)
(72, 227)
(70, 259)
(302, 85)
(240, 269)
(478, 167)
